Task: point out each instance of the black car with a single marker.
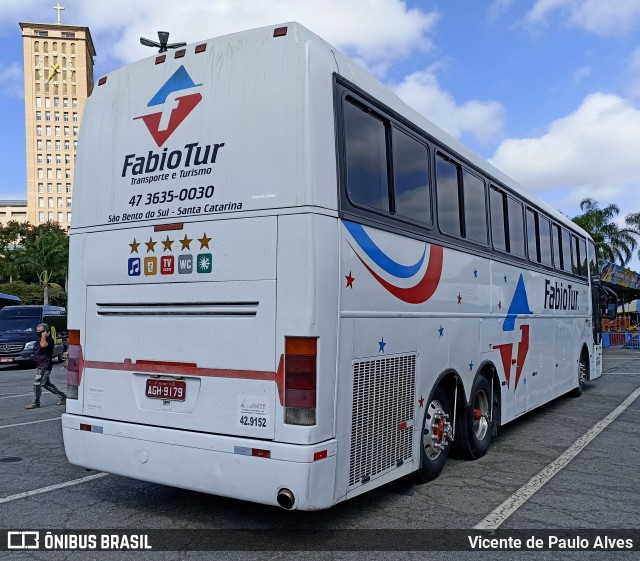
(18, 337)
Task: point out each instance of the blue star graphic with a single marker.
(441, 331)
(382, 344)
(471, 365)
(475, 273)
(505, 278)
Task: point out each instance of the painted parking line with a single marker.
(16, 395)
(27, 494)
(29, 423)
(497, 517)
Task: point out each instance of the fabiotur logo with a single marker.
(174, 108)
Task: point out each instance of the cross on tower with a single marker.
(59, 8)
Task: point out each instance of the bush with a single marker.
(33, 293)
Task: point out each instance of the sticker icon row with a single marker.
(166, 265)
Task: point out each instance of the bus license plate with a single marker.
(166, 389)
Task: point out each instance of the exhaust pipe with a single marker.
(286, 499)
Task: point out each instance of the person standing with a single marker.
(43, 357)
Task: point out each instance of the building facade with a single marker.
(12, 210)
(58, 78)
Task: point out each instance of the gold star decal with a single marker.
(185, 243)
(167, 244)
(150, 245)
(134, 246)
(204, 241)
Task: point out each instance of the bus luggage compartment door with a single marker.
(183, 356)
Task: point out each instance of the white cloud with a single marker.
(592, 152)
(602, 17)
(481, 119)
(581, 74)
(497, 8)
(12, 12)
(376, 32)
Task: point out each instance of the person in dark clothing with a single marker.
(43, 357)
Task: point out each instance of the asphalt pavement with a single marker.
(572, 465)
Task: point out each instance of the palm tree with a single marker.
(613, 243)
(44, 254)
(633, 223)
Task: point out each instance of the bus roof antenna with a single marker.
(163, 45)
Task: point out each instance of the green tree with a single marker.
(613, 243)
(633, 223)
(43, 256)
(11, 236)
(32, 293)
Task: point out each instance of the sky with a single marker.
(547, 90)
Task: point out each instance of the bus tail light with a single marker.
(300, 380)
(74, 365)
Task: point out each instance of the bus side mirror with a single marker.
(611, 312)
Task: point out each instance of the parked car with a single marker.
(18, 337)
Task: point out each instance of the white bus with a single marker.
(288, 287)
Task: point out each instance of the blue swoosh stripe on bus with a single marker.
(378, 257)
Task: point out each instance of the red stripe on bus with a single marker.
(181, 369)
(425, 288)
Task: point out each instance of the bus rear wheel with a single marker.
(478, 422)
(582, 377)
(436, 434)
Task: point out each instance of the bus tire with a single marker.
(434, 443)
(477, 423)
(582, 376)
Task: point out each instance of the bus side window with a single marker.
(411, 178)
(593, 262)
(557, 254)
(532, 236)
(576, 255)
(462, 203)
(475, 208)
(544, 227)
(566, 250)
(448, 196)
(516, 227)
(582, 251)
(366, 157)
(498, 228)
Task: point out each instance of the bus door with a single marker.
(597, 296)
(539, 368)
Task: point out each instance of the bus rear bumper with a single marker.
(220, 465)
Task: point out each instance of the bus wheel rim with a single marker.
(433, 433)
(480, 415)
